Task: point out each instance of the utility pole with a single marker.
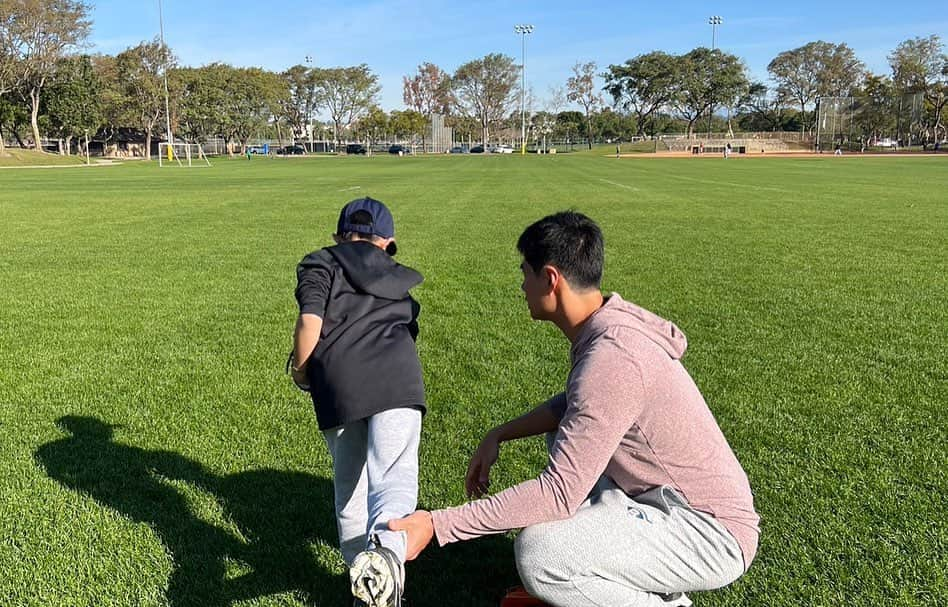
(161, 33)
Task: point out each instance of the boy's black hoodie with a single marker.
(365, 361)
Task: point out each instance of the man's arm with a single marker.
(305, 338)
(540, 420)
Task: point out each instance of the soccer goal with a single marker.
(181, 154)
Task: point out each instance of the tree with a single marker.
(38, 34)
(373, 126)
(875, 114)
(8, 62)
(644, 85)
(920, 65)
(706, 76)
(428, 92)
(302, 100)
(200, 104)
(759, 110)
(139, 71)
(582, 90)
(72, 102)
(346, 93)
(815, 69)
(484, 89)
(408, 124)
(253, 97)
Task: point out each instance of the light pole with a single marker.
(523, 30)
(161, 33)
(714, 21)
(309, 119)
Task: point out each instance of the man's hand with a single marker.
(419, 527)
(477, 480)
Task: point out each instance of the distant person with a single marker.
(727, 151)
(642, 499)
(617, 150)
(354, 351)
(839, 150)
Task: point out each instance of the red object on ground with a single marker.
(518, 597)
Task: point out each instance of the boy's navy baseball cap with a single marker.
(383, 224)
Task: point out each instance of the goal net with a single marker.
(834, 124)
(181, 154)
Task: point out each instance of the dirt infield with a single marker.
(800, 154)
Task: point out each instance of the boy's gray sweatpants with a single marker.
(375, 477)
(620, 551)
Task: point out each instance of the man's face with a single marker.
(535, 288)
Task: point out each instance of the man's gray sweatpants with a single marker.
(375, 477)
(620, 551)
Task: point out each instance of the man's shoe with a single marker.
(377, 577)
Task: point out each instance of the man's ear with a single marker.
(552, 277)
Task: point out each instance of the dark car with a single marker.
(399, 149)
(355, 148)
(292, 150)
(477, 149)
(459, 150)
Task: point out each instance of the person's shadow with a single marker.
(278, 515)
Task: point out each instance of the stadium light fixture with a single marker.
(523, 30)
(714, 21)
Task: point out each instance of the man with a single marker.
(642, 499)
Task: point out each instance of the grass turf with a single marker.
(15, 157)
(153, 453)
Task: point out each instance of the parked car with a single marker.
(258, 149)
(355, 148)
(887, 143)
(292, 150)
(502, 149)
(399, 149)
(459, 150)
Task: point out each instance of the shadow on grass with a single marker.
(278, 515)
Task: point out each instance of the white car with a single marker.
(501, 149)
(887, 143)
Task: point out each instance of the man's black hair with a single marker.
(569, 241)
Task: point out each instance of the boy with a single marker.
(354, 351)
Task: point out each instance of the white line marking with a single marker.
(620, 185)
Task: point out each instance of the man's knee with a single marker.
(542, 559)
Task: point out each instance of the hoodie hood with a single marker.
(372, 270)
(616, 312)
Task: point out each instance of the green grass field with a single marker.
(15, 157)
(153, 453)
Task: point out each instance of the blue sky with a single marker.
(393, 37)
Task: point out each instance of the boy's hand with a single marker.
(419, 527)
(477, 481)
(300, 379)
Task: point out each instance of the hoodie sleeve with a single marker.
(603, 401)
(313, 282)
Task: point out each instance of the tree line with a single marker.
(48, 86)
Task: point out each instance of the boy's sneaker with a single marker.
(378, 577)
